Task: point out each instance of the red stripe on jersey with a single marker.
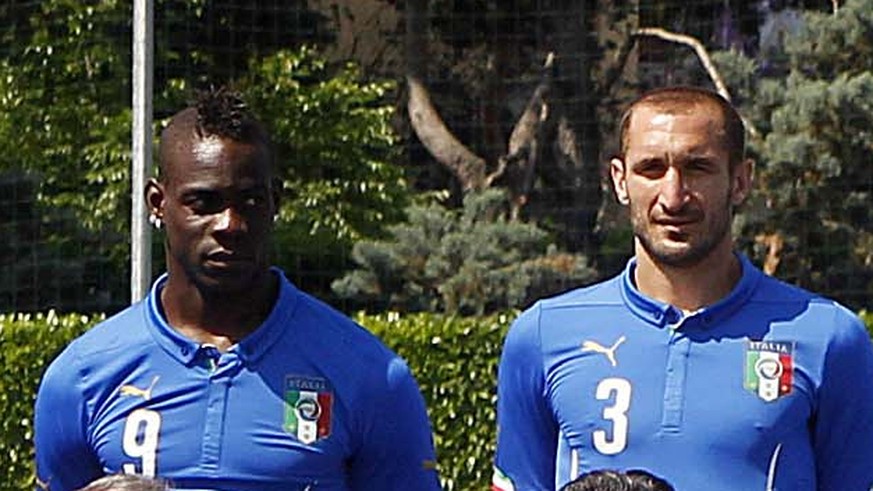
(787, 377)
(324, 400)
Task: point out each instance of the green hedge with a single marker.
(454, 360)
(27, 344)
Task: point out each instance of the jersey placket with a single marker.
(679, 347)
(219, 382)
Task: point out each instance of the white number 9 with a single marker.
(140, 440)
(617, 413)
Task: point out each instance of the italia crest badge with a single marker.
(769, 368)
(308, 405)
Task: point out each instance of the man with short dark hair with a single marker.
(691, 363)
(227, 376)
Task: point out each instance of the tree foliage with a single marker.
(470, 261)
(811, 213)
(335, 145)
(65, 123)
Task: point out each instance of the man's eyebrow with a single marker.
(199, 190)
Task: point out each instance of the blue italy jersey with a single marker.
(309, 400)
(769, 389)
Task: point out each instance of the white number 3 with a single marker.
(620, 389)
(141, 440)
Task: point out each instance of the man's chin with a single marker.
(678, 255)
(236, 279)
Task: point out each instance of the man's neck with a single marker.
(217, 318)
(688, 287)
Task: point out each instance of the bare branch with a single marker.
(522, 139)
(774, 243)
(698, 48)
(430, 128)
(705, 60)
(439, 140)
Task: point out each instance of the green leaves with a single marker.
(28, 343)
(65, 119)
(455, 361)
(813, 152)
(468, 261)
(335, 146)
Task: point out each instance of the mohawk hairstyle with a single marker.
(219, 112)
(222, 112)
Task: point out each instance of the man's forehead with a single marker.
(647, 122)
(665, 114)
(216, 158)
(207, 149)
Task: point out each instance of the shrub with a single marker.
(27, 344)
(471, 261)
(453, 358)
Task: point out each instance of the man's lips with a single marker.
(689, 217)
(227, 257)
(674, 223)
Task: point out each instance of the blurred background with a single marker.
(437, 155)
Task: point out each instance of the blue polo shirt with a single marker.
(309, 400)
(769, 389)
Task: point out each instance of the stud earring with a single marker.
(155, 221)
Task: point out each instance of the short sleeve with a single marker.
(526, 431)
(397, 449)
(64, 460)
(843, 433)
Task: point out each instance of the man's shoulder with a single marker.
(586, 302)
(111, 346)
(603, 293)
(326, 327)
(777, 292)
(774, 290)
(807, 307)
(106, 338)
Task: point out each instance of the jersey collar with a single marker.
(250, 349)
(662, 314)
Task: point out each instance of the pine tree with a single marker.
(812, 107)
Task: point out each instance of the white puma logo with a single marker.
(132, 390)
(599, 348)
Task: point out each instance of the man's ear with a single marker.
(619, 180)
(154, 197)
(741, 181)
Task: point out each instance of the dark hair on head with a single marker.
(127, 482)
(223, 112)
(680, 99)
(612, 480)
(220, 112)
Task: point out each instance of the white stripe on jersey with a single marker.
(574, 464)
(771, 473)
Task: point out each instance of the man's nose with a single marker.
(674, 190)
(230, 220)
